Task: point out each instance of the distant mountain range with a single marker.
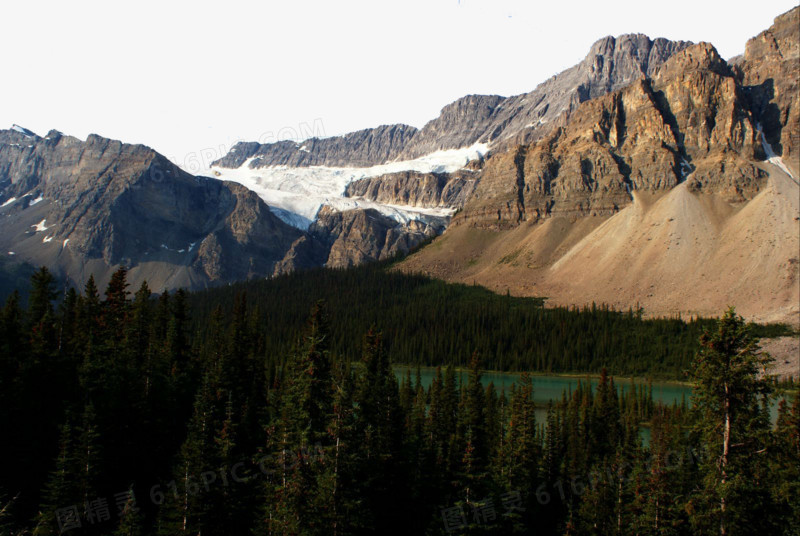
(653, 171)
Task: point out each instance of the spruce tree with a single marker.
(730, 397)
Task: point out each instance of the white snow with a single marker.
(772, 158)
(21, 130)
(295, 194)
(11, 253)
(47, 239)
(9, 201)
(64, 244)
(38, 199)
(40, 226)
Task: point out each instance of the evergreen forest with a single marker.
(272, 408)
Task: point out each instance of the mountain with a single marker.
(667, 193)
(454, 142)
(612, 63)
(84, 207)
(652, 173)
(770, 74)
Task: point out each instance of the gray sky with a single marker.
(190, 78)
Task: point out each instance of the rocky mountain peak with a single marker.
(362, 148)
(700, 57)
(770, 74)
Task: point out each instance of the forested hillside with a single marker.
(138, 415)
(428, 322)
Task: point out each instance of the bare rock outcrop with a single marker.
(770, 74)
(85, 207)
(352, 237)
(612, 63)
(689, 122)
(413, 188)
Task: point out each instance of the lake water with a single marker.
(550, 387)
(546, 388)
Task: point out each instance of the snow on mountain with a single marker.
(773, 158)
(296, 194)
(22, 130)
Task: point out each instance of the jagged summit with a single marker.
(612, 62)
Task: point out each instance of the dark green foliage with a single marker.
(233, 411)
(14, 276)
(428, 322)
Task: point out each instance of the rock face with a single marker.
(352, 237)
(357, 149)
(89, 207)
(689, 122)
(661, 194)
(770, 73)
(472, 121)
(612, 63)
(412, 188)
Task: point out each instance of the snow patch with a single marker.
(9, 201)
(773, 158)
(11, 253)
(37, 200)
(47, 239)
(295, 194)
(22, 130)
(64, 244)
(40, 226)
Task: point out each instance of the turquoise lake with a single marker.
(550, 387)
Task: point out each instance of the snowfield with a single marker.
(772, 158)
(295, 194)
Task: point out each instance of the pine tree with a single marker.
(61, 490)
(523, 452)
(131, 522)
(729, 398)
(42, 295)
(301, 434)
(784, 467)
